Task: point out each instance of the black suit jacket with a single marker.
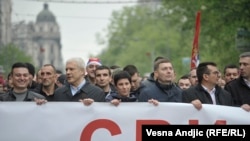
(87, 91)
(222, 97)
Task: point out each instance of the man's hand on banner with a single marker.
(87, 101)
(40, 101)
(154, 102)
(115, 102)
(197, 104)
(246, 107)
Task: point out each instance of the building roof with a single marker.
(45, 15)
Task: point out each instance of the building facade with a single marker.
(40, 39)
(5, 22)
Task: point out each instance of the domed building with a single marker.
(45, 15)
(47, 36)
(41, 40)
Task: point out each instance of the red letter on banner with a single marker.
(87, 132)
(217, 122)
(193, 122)
(220, 122)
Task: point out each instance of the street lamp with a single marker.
(243, 39)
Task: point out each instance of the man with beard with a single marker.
(48, 85)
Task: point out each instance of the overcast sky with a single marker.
(79, 23)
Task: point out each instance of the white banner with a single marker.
(72, 121)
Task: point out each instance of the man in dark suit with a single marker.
(77, 87)
(207, 91)
(240, 87)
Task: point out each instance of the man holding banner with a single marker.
(207, 91)
(77, 87)
(240, 87)
(20, 80)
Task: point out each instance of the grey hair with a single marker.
(245, 54)
(79, 61)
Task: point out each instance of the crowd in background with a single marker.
(97, 82)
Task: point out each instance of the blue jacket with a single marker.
(167, 93)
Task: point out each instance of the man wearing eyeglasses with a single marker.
(207, 91)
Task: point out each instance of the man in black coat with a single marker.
(77, 88)
(207, 91)
(240, 87)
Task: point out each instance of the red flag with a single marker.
(195, 51)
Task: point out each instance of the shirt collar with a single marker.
(247, 82)
(212, 91)
(74, 90)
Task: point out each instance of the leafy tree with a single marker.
(219, 23)
(136, 35)
(10, 54)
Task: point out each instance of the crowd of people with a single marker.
(97, 82)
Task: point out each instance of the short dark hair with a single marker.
(131, 69)
(160, 61)
(121, 75)
(62, 78)
(158, 58)
(230, 66)
(103, 67)
(31, 68)
(18, 65)
(203, 69)
(58, 71)
(114, 67)
(185, 76)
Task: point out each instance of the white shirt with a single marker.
(74, 90)
(247, 82)
(212, 94)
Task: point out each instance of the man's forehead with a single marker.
(21, 68)
(102, 71)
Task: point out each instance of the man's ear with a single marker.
(205, 76)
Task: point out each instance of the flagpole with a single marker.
(195, 50)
